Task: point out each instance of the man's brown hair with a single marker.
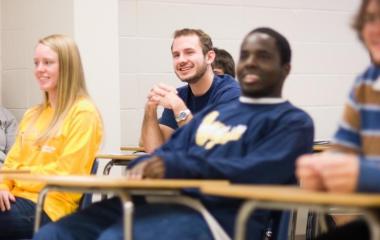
(359, 19)
(204, 38)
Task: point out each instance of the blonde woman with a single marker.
(59, 136)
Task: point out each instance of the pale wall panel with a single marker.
(340, 5)
(130, 132)
(23, 22)
(325, 119)
(329, 58)
(160, 19)
(318, 90)
(128, 12)
(14, 88)
(326, 53)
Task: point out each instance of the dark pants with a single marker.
(352, 231)
(103, 220)
(18, 222)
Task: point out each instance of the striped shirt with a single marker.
(359, 129)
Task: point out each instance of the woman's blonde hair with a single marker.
(70, 85)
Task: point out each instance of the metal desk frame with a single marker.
(251, 205)
(123, 192)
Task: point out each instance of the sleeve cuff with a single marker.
(138, 160)
(172, 168)
(369, 176)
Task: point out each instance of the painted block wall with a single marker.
(23, 23)
(326, 53)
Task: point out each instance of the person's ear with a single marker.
(210, 56)
(286, 69)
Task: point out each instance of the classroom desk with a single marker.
(321, 147)
(119, 186)
(116, 159)
(13, 171)
(291, 198)
(132, 148)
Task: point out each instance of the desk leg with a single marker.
(244, 213)
(108, 166)
(292, 225)
(128, 215)
(373, 224)
(106, 171)
(246, 210)
(39, 207)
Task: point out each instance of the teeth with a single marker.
(185, 68)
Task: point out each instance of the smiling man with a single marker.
(192, 53)
(254, 140)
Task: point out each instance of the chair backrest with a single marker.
(86, 199)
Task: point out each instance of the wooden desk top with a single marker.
(132, 148)
(114, 182)
(321, 147)
(9, 171)
(117, 156)
(288, 194)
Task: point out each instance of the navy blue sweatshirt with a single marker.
(245, 142)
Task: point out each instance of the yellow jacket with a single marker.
(71, 151)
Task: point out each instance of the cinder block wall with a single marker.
(326, 53)
(22, 24)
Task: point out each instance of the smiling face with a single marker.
(371, 30)
(189, 62)
(259, 69)
(46, 69)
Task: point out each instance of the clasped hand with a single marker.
(164, 95)
(151, 168)
(335, 172)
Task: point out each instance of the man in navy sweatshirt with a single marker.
(255, 140)
(193, 55)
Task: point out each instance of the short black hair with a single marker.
(224, 60)
(282, 43)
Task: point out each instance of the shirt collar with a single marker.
(268, 100)
(376, 84)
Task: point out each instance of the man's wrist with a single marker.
(151, 109)
(182, 115)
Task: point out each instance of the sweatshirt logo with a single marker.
(47, 149)
(212, 132)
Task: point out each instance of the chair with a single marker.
(118, 159)
(86, 199)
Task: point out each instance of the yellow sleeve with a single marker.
(12, 161)
(82, 138)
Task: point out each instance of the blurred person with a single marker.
(8, 129)
(223, 63)
(353, 164)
